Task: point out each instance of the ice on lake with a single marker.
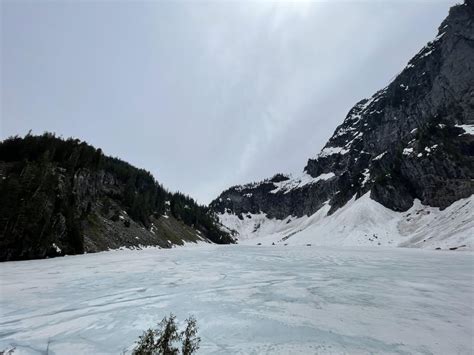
(247, 300)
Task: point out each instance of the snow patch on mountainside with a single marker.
(468, 128)
(363, 222)
(332, 150)
(299, 181)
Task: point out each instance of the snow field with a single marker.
(364, 222)
(247, 300)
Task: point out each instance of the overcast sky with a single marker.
(204, 95)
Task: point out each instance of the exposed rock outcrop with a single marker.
(411, 140)
(65, 197)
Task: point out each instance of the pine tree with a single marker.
(162, 341)
(146, 343)
(190, 339)
(167, 335)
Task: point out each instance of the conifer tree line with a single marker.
(38, 181)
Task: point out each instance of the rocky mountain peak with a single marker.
(411, 140)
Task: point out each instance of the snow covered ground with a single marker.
(364, 222)
(247, 300)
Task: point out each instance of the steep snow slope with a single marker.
(361, 222)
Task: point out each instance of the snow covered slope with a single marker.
(363, 222)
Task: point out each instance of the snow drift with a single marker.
(363, 222)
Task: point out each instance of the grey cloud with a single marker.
(203, 94)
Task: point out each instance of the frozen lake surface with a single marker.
(247, 300)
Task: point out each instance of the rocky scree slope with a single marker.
(411, 140)
(66, 197)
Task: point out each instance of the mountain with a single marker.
(66, 197)
(406, 151)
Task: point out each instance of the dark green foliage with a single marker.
(146, 344)
(41, 203)
(106, 205)
(190, 339)
(167, 335)
(164, 339)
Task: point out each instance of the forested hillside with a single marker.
(66, 197)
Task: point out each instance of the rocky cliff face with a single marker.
(65, 197)
(412, 140)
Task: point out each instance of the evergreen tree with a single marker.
(164, 339)
(168, 335)
(190, 339)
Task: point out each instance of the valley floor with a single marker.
(247, 299)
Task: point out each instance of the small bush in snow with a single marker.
(190, 339)
(163, 340)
